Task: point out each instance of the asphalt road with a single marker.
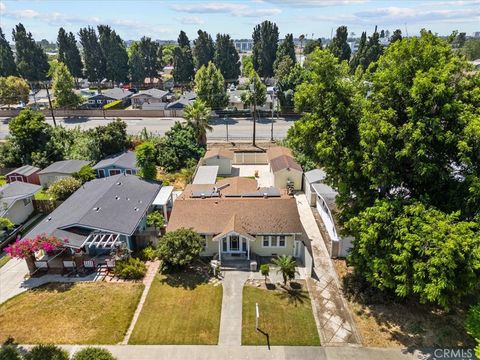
(238, 128)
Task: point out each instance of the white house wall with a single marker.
(19, 212)
(48, 179)
(224, 164)
(282, 176)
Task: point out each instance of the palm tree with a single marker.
(286, 266)
(197, 116)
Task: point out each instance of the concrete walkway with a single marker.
(231, 318)
(332, 315)
(147, 281)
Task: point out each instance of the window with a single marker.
(101, 173)
(274, 241)
(265, 241)
(27, 201)
(109, 101)
(99, 101)
(91, 101)
(281, 241)
(114, 172)
(128, 171)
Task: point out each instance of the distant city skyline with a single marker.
(163, 20)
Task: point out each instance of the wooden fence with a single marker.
(45, 206)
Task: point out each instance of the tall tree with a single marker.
(13, 90)
(115, 53)
(183, 40)
(227, 58)
(197, 115)
(397, 35)
(68, 53)
(339, 46)
(183, 61)
(373, 49)
(203, 50)
(265, 44)
(112, 138)
(359, 57)
(149, 51)
(311, 45)
(135, 64)
(32, 62)
(286, 48)
(8, 67)
(210, 86)
(62, 85)
(288, 75)
(146, 154)
(93, 56)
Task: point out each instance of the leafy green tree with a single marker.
(226, 58)
(112, 138)
(146, 154)
(156, 219)
(265, 43)
(135, 64)
(197, 115)
(203, 49)
(86, 146)
(286, 48)
(62, 189)
(62, 86)
(471, 49)
(93, 56)
(288, 76)
(179, 248)
(311, 45)
(6, 223)
(13, 90)
(339, 46)
(68, 53)
(43, 352)
(183, 61)
(210, 86)
(116, 55)
(167, 53)
(265, 271)
(286, 266)
(85, 174)
(472, 324)
(183, 40)
(397, 35)
(8, 68)
(10, 155)
(8, 352)
(372, 50)
(93, 353)
(256, 93)
(247, 66)
(358, 58)
(149, 51)
(32, 62)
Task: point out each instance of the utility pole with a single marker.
(226, 124)
(50, 103)
(254, 110)
(273, 109)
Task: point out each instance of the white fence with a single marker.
(254, 158)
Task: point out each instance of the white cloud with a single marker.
(2, 7)
(191, 20)
(317, 3)
(234, 9)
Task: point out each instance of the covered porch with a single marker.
(233, 245)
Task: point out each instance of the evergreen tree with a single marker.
(115, 53)
(62, 85)
(183, 40)
(204, 49)
(93, 56)
(68, 53)
(265, 44)
(339, 46)
(210, 86)
(373, 49)
(359, 57)
(135, 64)
(382, 33)
(311, 45)
(286, 48)
(8, 67)
(397, 35)
(147, 154)
(151, 63)
(227, 58)
(183, 60)
(32, 62)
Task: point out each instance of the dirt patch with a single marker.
(242, 146)
(296, 285)
(407, 324)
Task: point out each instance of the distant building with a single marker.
(243, 45)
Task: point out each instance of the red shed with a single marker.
(26, 173)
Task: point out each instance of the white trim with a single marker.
(117, 172)
(277, 238)
(101, 171)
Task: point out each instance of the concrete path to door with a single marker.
(334, 321)
(231, 318)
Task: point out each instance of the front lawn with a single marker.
(285, 316)
(180, 309)
(4, 258)
(61, 313)
(42, 195)
(3, 180)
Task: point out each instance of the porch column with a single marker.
(220, 249)
(248, 248)
(165, 212)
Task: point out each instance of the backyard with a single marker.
(62, 313)
(285, 316)
(180, 309)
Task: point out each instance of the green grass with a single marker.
(4, 258)
(286, 316)
(42, 195)
(180, 309)
(3, 180)
(82, 313)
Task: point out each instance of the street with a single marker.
(238, 128)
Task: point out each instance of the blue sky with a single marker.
(164, 19)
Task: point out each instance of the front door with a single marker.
(234, 243)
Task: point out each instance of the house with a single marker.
(124, 163)
(311, 177)
(101, 215)
(16, 201)
(205, 175)
(239, 220)
(285, 171)
(38, 100)
(151, 96)
(108, 96)
(184, 100)
(59, 170)
(26, 173)
(222, 158)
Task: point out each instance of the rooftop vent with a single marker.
(117, 197)
(49, 219)
(128, 199)
(119, 183)
(136, 209)
(96, 209)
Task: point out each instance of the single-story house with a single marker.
(16, 201)
(26, 173)
(311, 177)
(205, 175)
(108, 96)
(102, 214)
(222, 158)
(286, 172)
(151, 96)
(38, 99)
(59, 170)
(239, 220)
(124, 163)
(185, 99)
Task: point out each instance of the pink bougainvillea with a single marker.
(23, 248)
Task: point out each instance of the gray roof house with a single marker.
(311, 177)
(59, 170)
(125, 162)
(102, 212)
(149, 97)
(16, 201)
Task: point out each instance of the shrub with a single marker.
(8, 352)
(177, 249)
(265, 270)
(149, 253)
(63, 188)
(46, 352)
(117, 104)
(472, 324)
(130, 269)
(86, 173)
(92, 353)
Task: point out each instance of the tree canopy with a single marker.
(179, 248)
(198, 116)
(339, 46)
(146, 160)
(13, 90)
(8, 68)
(210, 86)
(183, 61)
(286, 48)
(68, 53)
(62, 85)
(116, 66)
(93, 56)
(265, 43)
(203, 49)
(226, 58)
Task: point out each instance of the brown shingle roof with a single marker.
(256, 216)
(214, 152)
(277, 151)
(284, 162)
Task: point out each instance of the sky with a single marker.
(163, 19)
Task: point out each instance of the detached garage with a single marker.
(222, 158)
(311, 177)
(286, 172)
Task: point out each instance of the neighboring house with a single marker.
(286, 172)
(39, 99)
(59, 170)
(151, 96)
(102, 214)
(26, 173)
(124, 163)
(239, 220)
(222, 158)
(311, 177)
(235, 100)
(16, 201)
(108, 96)
(206, 175)
(184, 100)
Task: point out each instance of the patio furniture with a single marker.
(69, 266)
(110, 264)
(89, 265)
(42, 266)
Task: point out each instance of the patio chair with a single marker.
(42, 266)
(89, 265)
(69, 266)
